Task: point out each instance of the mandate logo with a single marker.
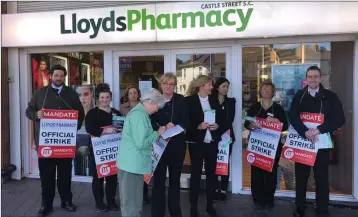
(238, 18)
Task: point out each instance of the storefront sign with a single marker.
(105, 149)
(157, 152)
(263, 143)
(177, 22)
(58, 131)
(222, 161)
(302, 150)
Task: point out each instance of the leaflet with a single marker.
(172, 132)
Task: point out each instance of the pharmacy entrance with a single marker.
(144, 69)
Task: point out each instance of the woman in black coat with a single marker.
(227, 109)
(203, 136)
(173, 113)
(96, 119)
(263, 183)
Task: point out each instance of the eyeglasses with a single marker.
(171, 84)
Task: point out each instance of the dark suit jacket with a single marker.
(196, 117)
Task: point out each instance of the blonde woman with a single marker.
(204, 138)
(173, 113)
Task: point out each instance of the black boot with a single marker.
(101, 207)
(112, 206)
(212, 211)
(44, 211)
(68, 206)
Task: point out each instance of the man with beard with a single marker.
(59, 97)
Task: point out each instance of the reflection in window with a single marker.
(286, 65)
(190, 66)
(142, 71)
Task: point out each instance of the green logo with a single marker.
(236, 18)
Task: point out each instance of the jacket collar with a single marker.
(320, 95)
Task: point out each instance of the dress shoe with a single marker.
(259, 207)
(101, 207)
(223, 196)
(298, 214)
(68, 206)
(44, 211)
(112, 206)
(212, 212)
(216, 195)
(269, 206)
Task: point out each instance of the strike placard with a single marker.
(263, 143)
(157, 152)
(302, 150)
(222, 161)
(105, 149)
(58, 131)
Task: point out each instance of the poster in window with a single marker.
(86, 93)
(288, 79)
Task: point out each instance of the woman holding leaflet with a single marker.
(204, 136)
(263, 183)
(173, 113)
(96, 119)
(227, 107)
(134, 154)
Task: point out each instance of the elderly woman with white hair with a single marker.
(134, 155)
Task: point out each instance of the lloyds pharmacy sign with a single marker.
(237, 18)
(186, 21)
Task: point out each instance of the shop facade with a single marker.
(246, 42)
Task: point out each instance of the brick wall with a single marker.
(5, 133)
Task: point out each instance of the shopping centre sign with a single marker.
(177, 22)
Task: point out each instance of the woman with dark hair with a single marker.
(131, 99)
(263, 183)
(98, 122)
(227, 108)
(41, 76)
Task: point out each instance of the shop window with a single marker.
(285, 65)
(143, 72)
(84, 72)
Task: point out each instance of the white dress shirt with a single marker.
(205, 105)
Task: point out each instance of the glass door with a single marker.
(140, 68)
(190, 63)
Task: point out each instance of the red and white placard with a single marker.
(222, 161)
(58, 131)
(299, 149)
(263, 143)
(105, 149)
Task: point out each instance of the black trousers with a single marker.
(172, 158)
(47, 167)
(145, 190)
(97, 185)
(320, 170)
(198, 153)
(223, 185)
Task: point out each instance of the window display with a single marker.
(285, 65)
(85, 71)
